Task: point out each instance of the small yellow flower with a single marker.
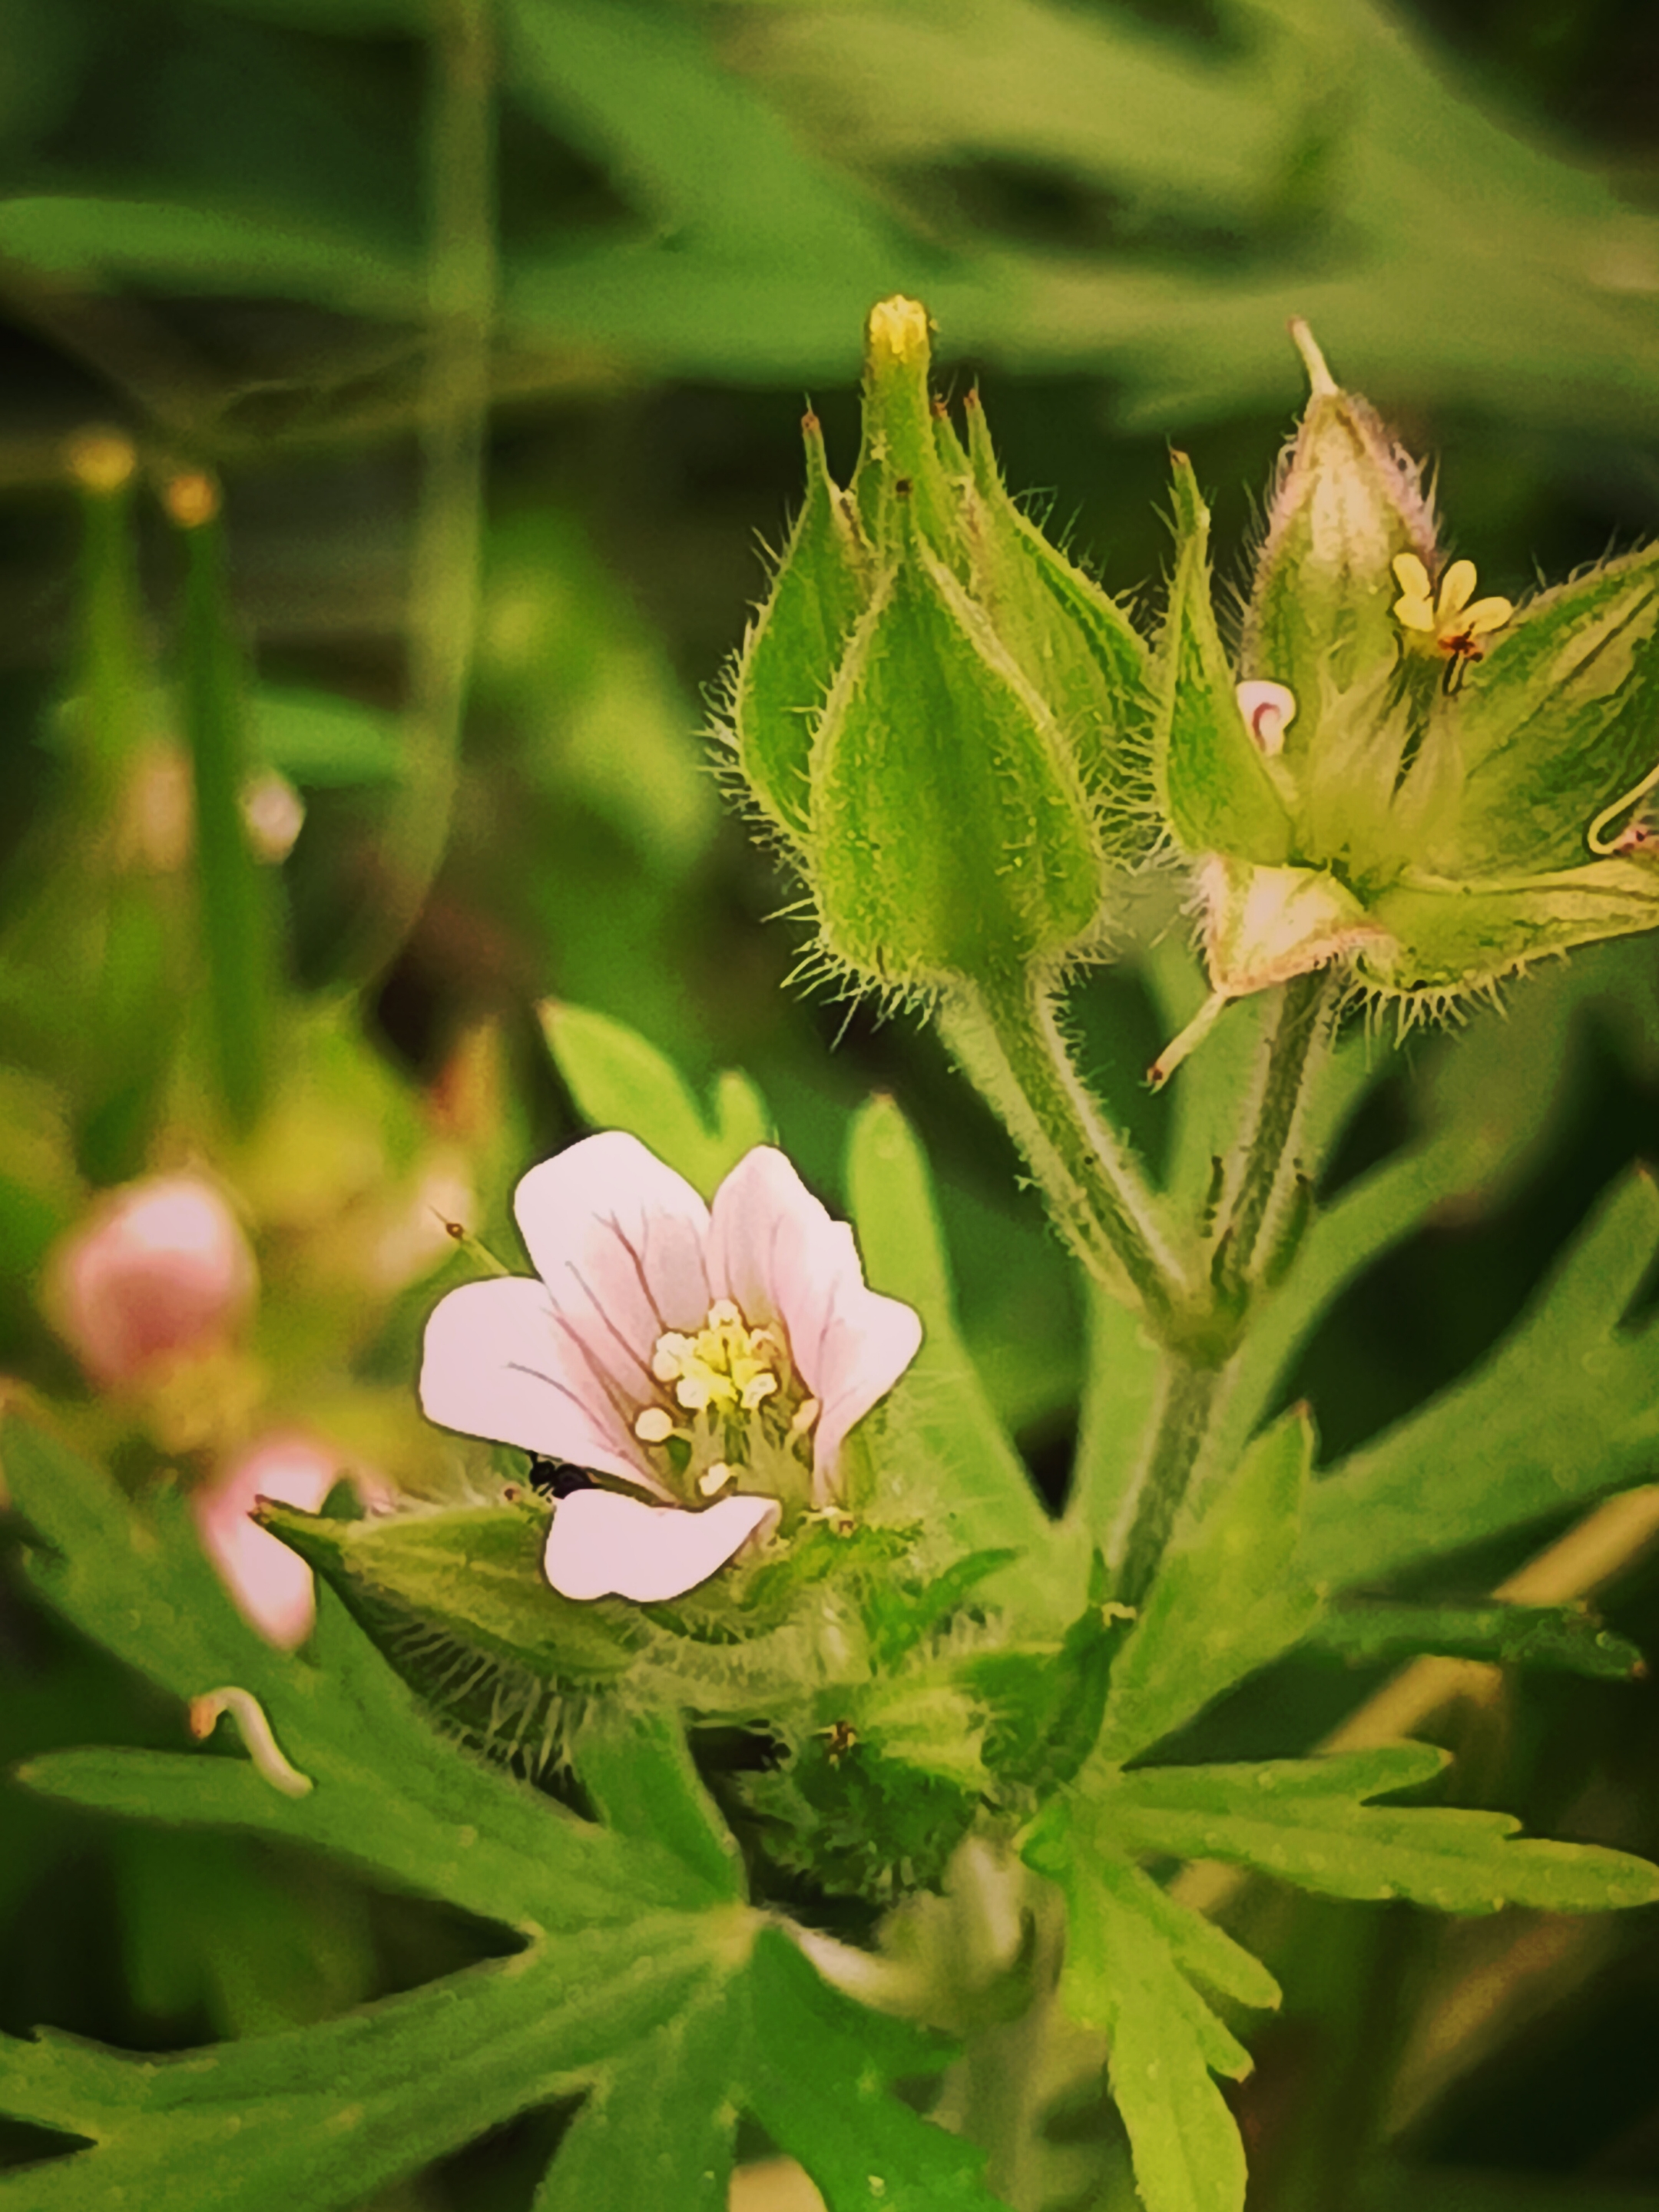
(1448, 618)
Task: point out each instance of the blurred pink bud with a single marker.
(271, 1585)
(157, 1270)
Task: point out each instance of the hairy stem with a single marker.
(1189, 1397)
(1267, 1168)
(1261, 1183)
(1005, 1039)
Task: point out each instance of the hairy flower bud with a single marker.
(946, 721)
(1432, 788)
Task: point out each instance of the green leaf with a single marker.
(1308, 1822)
(1565, 1409)
(638, 1968)
(1129, 1951)
(1120, 1393)
(946, 1461)
(322, 2115)
(389, 1794)
(1232, 1594)
(638, 1773)
(1213, 783)
(213, 249)
(619, 1081)
(1568, 1639)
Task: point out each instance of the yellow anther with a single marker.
(654, 1426)
(714, 1479)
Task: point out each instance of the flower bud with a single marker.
(1431, 787)
(1348, 503)
(946, 720)
(158, 1271)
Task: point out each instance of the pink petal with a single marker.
(498, 1364)
(618, 1239)
(773, 1249)
(603, 1546)
(868, 1346)
(271, 1585)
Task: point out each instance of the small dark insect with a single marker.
(556, 1478)
(839, 1737)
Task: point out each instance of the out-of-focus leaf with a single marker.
(1120, 1391)
(945, 1460)
(1308, 1822)
(1566, 1408)
(621, 1082)
(200, 248)
(1232, 1594)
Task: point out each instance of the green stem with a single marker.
(1266, 1173)
(461, 288)
(1193, 1384)
(1006, 1040)
(1190, 1395)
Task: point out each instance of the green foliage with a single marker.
(1495, 1452)
(1133, 1956)
(1308, 1821)
(636, 1956)
(1230, 1597)
(1567, 1639)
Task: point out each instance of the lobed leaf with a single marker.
(1565, 1409)
(1309, 1822)
(1232, 1594)
(946, 1460)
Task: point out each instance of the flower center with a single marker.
(732, 1403)
(726, 1365)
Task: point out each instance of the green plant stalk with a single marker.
(1261, 1176)
(1300, 1036)
(111, 655)
(238, 942)
(443, 609)
(1006, 1038)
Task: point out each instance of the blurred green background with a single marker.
(494, 320)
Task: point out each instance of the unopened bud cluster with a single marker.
(944, 719)
(964, 743)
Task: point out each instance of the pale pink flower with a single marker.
(158, 1270)
(712, 1357)
(272, 1584)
